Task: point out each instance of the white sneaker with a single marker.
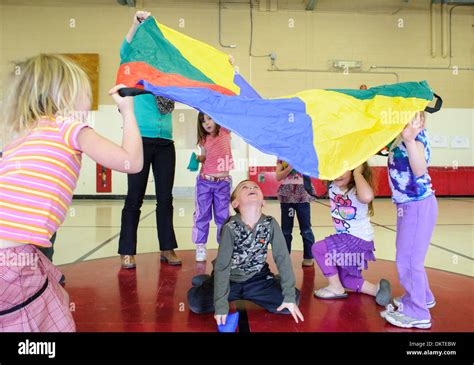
(402, 320)
(201, 253)
(398, 300)
(388, 309)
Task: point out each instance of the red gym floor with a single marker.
(152, 297)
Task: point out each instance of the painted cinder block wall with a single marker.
(373, 32)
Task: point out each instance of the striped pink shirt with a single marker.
(218, 153)
(38, 175)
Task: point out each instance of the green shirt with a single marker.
(151, 123)
(243, 253)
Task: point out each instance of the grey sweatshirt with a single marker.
(243, 253)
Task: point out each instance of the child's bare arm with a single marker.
(364, 192)
(416, 157)
(415, 149)
(281, 172)
(142, 15)
(125, 158)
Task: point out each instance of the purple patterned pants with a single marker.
(210, 196)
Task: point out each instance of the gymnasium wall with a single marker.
(377, 33)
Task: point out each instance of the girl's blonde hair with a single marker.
(46, 85)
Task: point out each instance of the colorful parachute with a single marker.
(321, 133)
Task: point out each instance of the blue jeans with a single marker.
(303, 213)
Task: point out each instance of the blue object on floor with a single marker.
(231, 323)
(193, 163)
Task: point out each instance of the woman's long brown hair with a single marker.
(201, 132)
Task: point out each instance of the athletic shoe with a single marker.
(402, 320)
(389, 308)
(398, 300)
(201, 253)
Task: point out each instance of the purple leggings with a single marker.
(348, 280)
(415, 224)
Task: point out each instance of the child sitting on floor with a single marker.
(240, 270)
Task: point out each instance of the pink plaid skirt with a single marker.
(31, 299)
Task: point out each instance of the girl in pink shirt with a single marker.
(40, 164)
(213, 184)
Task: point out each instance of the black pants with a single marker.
(160, 154)
(49, 251)
(262, 289)
(303, 212)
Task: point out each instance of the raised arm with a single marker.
(139, 17)
(364, 192)
(415, 149)
(281, 172)
(125, 158)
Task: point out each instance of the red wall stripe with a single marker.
(447, 181)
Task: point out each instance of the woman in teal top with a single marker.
(153, 116)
